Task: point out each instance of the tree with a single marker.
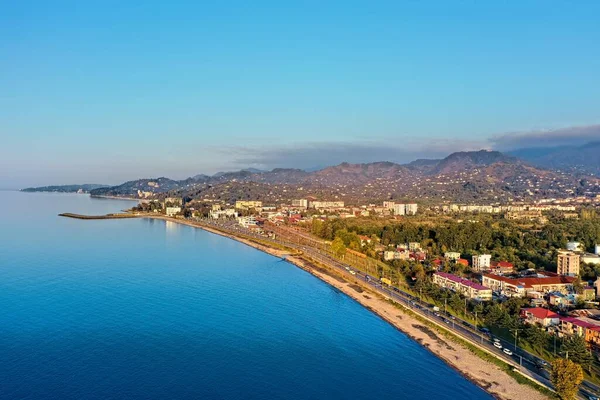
(577, 351)
(537, 338)
(338, 247)
(566, 376)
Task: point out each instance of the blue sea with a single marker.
(144, 309)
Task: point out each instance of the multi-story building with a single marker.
(568, 263)
(466, 287)
(411, 209)
(171, 211)
(247, 221)
(227, 213)
(482, 262)
(388, 205)
(452, 255)
(399, 209)
(300, 203)
(521, 287)
(396, 255)
(247, 204)
(174, 200)
(326, 204)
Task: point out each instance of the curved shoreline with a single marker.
(488, 376)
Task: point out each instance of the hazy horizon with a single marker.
(106, 94)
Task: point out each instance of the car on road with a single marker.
(437, 314)
(353, 272)
(497, 345)
(347, 268)
(508, 352)
(496, 340)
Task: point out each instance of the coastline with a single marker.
(488, 376)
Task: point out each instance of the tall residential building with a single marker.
(411, 209)
(300, 203)
(399, 209)
(389, 205)
(568, 263)
(482, 262)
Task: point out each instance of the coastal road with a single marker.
(527, 363)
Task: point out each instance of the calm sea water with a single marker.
(141, 309)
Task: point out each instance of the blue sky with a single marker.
(105, 92)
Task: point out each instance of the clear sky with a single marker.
(102, 92)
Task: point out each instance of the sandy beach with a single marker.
(481, 372)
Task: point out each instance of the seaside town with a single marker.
(558, 301)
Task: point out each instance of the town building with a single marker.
(175, 201)
(524, 286)
(452, 255)
(396, 255)
(414, 246)
(172, 211)
(411, 209)
(463, 286)
(300, 203)
(568, 263)
(584, 327)
(590, 258)
(502, 267)
(248, 221)
(326, 204)
(399, 209)
(540, 316)
(482, 262)
(574, 246)
(227, 213)
(247, 204)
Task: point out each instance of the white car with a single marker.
(353, 272)
(508, 352)
(497, 345)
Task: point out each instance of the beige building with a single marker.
(172, 211)
(568, 263)
(466, 287)
(247, 204)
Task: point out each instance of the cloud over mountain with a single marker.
(576, 135)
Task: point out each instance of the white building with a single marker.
(389, 205)
(326, 204)
(597, 251)
(482, 262)
(411, 209)
(247, 221)
(574, 246)
(399, 209)
(452, 255)
(300, 203)
(227, 213)
(171, 211)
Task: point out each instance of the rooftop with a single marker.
(540, 313)
(461, 281)
(529, 282)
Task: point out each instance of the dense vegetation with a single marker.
(526, 246)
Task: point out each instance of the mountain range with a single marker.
(462, 177)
